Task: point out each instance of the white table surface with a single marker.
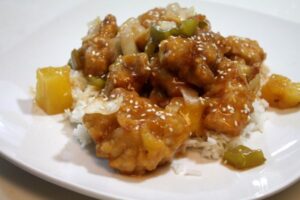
(17, 184)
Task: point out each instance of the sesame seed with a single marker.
(163, 117)
(236, 123)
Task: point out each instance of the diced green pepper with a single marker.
(150, 49)
(188, 27)
(96, 81)
(75, 62)
(242, 157)
(175, 31)
(158, 35)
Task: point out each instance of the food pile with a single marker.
(160, 83)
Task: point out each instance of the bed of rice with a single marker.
(87, 99)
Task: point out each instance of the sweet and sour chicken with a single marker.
(178, 79)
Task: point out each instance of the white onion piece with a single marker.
(166, 25)
(174, 11)
(129, 32)
(114, 46)
(99, 105)
(127, 41)
(190, 95)
(93, 28)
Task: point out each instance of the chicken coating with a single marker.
(180, 56)
(139, 137)
(98, 50)
(159, 97)
(130, 72)
(151, 17)
(230, 100)
(247, 49)
(161, 78)
(165, 81)
(211, 46)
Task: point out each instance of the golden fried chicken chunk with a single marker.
(139, 137)
(97, 47)
(180, 56)
(230, 99)
(247, 49)
(130, 72)
(163, 80)
(211, 46)
(151, 17)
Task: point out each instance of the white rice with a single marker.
(80, 133)
(180, 169)
(87, 99)
(212, 148)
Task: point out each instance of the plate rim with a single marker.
(101, 194)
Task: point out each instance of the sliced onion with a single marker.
(175, 12)
(129, 32)
(190, 95)
(102, 106)
(127, 41)
(93, 28)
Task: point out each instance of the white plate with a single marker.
(43, 145)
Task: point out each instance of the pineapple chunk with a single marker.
(281, 92)
(153, 144)
(53, 89)
(192, 112)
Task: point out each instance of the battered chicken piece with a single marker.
(211, 46)
(139, 137)
(164, 80)
(130, 72)
(161, 78)
(230, 100)
(247, 49)
(98, 50)
(159, 97)
(180, 56)
(151, 17)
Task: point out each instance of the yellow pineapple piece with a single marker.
(53, 89)
(281, 92)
